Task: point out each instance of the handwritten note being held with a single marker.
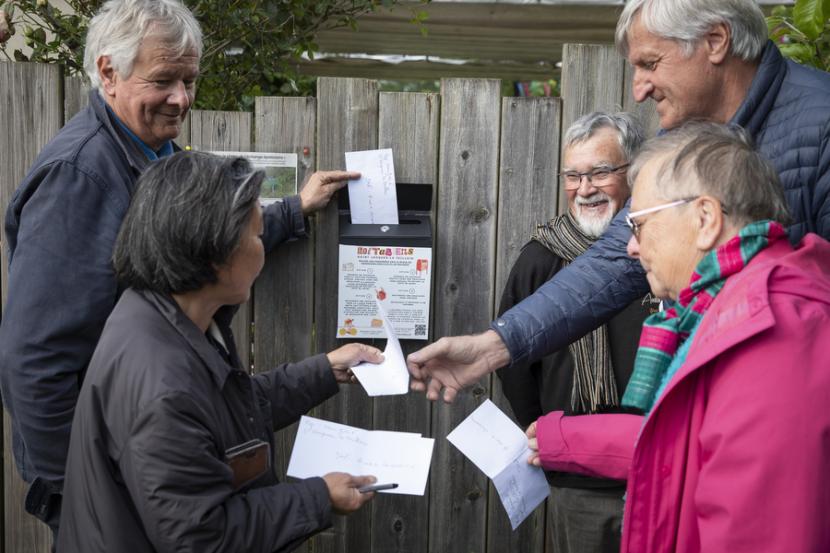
(499, 448)
(373, 199)
(322, 447)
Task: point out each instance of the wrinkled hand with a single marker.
(320, 186)
(344, 358)
(343, 492)
(455, 363)
(533, 444)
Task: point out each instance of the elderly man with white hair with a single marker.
(698, 59)
(142, 57)
(589, 375)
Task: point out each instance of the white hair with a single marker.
(120, 26)
(629, 130)
(687, 21)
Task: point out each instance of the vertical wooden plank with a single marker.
(646, 111)
(283, 293)
(464, 293)
(592, 79)
(528, 191)
(75, 96)
(183, 140)
(227, 131)
(347, 120)
(408, 125)
(31, 113)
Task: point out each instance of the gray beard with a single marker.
(595, 226)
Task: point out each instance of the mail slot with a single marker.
(390, 265)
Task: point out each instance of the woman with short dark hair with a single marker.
(172, 438)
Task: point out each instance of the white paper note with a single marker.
(498, 447)
(373, 199)
(391, 377)
(322, 447)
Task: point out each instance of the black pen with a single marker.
(376, 488)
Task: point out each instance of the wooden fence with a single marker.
(493, 164)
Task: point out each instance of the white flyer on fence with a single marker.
(402, 458)
(396, 276)
(498, 447)
(373, 199)
(391, 377)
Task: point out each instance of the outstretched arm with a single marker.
(596, 286)
(582, 296)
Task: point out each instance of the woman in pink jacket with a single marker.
(733, 452)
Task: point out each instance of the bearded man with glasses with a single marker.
(590, 374)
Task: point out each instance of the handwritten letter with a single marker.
(373, 199)
(322, 447)
(499, 448)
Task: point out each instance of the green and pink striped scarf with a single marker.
(664, 332)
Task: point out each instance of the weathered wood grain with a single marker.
(528, 191)
(464, 292)
(408, 125)
(75, 96)
(31, 113)
(284, 291)
(347, 120)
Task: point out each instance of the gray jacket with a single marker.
(787, 112)
(159, 407)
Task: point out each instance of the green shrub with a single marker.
(249, 44)
(802, 32)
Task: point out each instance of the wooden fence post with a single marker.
(75, 96)
(408, 125)
(347, 120)
(463, 297)
(528, 191)
(284, 291)
(31, 113)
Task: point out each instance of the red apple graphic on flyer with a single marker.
(381, 294)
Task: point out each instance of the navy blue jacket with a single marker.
(787, 111)
(61, 227)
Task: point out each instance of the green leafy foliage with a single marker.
(802, 32)
(251, 46)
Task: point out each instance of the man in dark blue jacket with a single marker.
(698, 59)
(142, 57)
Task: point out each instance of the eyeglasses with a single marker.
(636, 227)
(596, 176)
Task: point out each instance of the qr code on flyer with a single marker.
(420, 330)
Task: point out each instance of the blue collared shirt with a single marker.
(165, 150)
